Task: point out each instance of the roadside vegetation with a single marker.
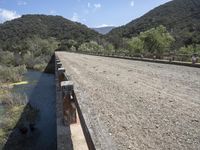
(33, 53)
(154, 43)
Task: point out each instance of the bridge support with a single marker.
(59, 64)
(69, 107)
(61, 75)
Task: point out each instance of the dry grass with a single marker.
(16, 113)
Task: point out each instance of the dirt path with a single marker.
(137, 105)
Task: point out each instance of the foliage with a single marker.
(12, 74)
(6, 58)
(16, 116)
(180, 17)
(156, 40)
(91, 46)
(190, 49)
(66, 45)
(135, 45)
(9, 121)
(42, 26)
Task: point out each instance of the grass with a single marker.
(16, 112)
(12, 74)
(10, 118)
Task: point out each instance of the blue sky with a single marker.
(93, 13)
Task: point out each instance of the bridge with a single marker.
(111, 103)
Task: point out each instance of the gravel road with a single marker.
(137, 105)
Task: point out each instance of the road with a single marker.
(136, 105)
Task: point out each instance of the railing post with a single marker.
(61, 74)
(69, 107)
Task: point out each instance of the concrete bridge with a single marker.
(109, 103)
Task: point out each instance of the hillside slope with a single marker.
(44, 26)
(181, 17)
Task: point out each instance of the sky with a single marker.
(93, 13)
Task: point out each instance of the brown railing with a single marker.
(70, 103)
(176, 59)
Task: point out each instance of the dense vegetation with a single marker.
(180, 17)
(44, 27)
(32, 39)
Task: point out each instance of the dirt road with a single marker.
(137, 105)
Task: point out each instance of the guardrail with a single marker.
(69, 107)
(171, 59)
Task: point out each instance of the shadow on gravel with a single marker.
(40, 133)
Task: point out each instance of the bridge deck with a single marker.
(136, 105)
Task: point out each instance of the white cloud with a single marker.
(75, 17)
(21, 3)
(132, 3)
(53, 12)
(97, 5)
(7, 15)
(104, 25)
(89, 5)
(84, 20)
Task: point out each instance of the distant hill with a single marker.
(181, 17)
(104, 30)
(44, 26)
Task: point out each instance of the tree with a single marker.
(6, 58)
(71, 43)
(135, 46)
(190, 49)
(156, 40)
(91, 46)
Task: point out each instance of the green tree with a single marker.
(71, 43)
(6, 58)
(91, 46)
(156, 40)
(135, 46)
(190, 49)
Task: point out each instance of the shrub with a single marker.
(40, 67)
(12, 74)
(6, 58)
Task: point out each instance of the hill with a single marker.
(44, 26)
(180, 17)
(32, 39)
(104, 30)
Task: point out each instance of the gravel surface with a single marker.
(137, 105)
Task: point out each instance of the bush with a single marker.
(135, 46)
(91, 46)
(156, 40)
(40, 67)
(7, 58)
(12, 74)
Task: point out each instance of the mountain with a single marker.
(104, 30)
(180, 17)
(44, 27)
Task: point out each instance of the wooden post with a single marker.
(59, 64)
(57, 60)
(61, 75)
(69, 107)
